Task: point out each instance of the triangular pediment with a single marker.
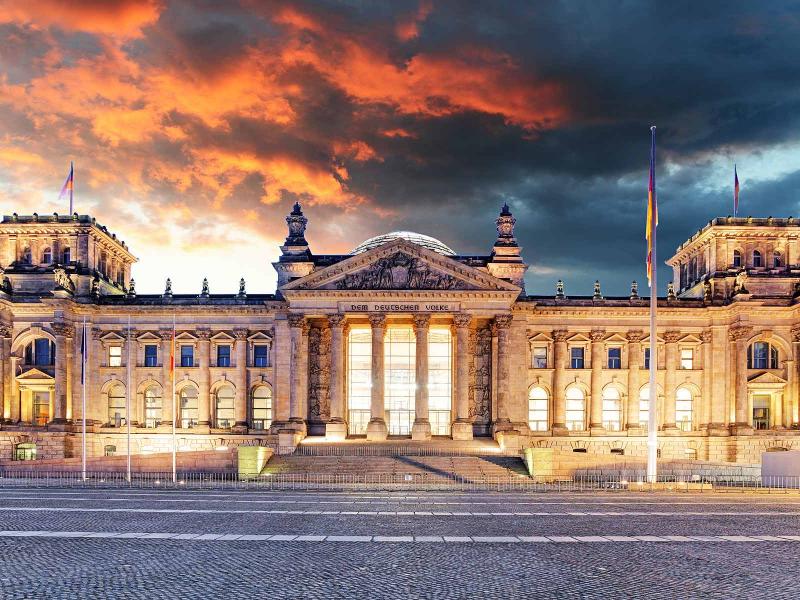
(616, 338)
(34, 375)
(112, 337)
(540, 337)
(579, 337)
(400, 265)
(767, 378)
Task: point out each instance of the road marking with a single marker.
(390, 513)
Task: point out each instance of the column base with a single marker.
(718, 430)
(742, 429)
(377, 430)
(421, 430)
(288, 439)
(559, 429)
(336, 431)
(597, 430)
(501, 425)
(59, 425)
(461, 430)
(298, 425)
(239, 428)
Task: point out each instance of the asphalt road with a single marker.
(242, 544)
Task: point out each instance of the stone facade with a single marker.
(401, 337)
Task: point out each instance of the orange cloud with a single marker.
(408, 29)
(122, 18)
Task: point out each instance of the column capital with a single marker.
(422, 322)
(597, 335)
(240, 333)
(739, 333)
(560, 335)
(635, 336)
(296, 319)
(795, 334)
(502, 321)
(378, 321)
(5, 331)
(671, 337)
(63, 329)
(165, 334)
(336, 320)
(129, 333)
(203, 334)
(97, 333)
(464, 320)
(705, 336)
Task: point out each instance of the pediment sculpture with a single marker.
(399, 271)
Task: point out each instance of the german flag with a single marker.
(652, 206)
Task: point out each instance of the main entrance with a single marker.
(400, 379)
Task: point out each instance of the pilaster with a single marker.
(240, 402)
(559, 426)
(596, 399)
(634, 363)
(376, 428)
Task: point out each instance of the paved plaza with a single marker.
(72, 543)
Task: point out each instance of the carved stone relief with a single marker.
(399, 271)
(481, 384)
(319, 373)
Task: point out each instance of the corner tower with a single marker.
(295, 260)
(506, 259)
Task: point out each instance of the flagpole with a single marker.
(72, 176)
(652, 412)
(83, 401)
(174, 412)
(128, 398)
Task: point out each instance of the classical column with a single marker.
(792, 392)
(204, 378)
(739, 334)
(503, 324)
(168, 402)
(376, 429)
(705, 410)
(96, 411)
(596, 400)
(719, 379)
(62, 332)
(5, 360)
(336, 428)
(634, 358)
(671, 362)
(560, 358)
(422, 425)
(296, 324)
(240, 404)
(462, 427)
(16, 408)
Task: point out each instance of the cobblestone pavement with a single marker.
(216, 544)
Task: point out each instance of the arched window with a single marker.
(612, 409)
(762, 355)
(189, 406)
(261, 401)
(224, 407)
(102, 264)
(47, 256)
(66, 256)
(576, 409)
(152, 406)
(41, 352)
(25, 451)
(683, 409)
(777, 260)
(644, 407)
(737, 259)
(757, 262)
(26, 256)
(538, 401)
(116, 405)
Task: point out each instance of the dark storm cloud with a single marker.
(205, 117)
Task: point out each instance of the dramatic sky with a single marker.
(194, 125)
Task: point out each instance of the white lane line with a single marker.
(391, 513)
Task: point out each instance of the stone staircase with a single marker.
(428, 468)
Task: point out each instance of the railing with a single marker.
(394, 482)
(384, 449)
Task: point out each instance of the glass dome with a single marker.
(425, 241)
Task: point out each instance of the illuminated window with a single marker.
(189, 406)
(116, 405)
(440, 384)
(25, 451)
(687, 358)
(777, 260)
(575, 409)
(399, 347)
(615, 358)
(683, 409)
(115, 356)
(644, 407)
(538, 402)
(224, 407)
(41, 408)
(152, 406)
(612, 409)
(261, 401)
(757, 262)
(540, 357)
(359, 378)
(761, 411)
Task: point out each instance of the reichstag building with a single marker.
(402, 337)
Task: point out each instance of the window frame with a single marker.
(575, 361)
(265, 356)
(227, 361)
(611, 361)
(536, 360)
(153, 355)
(538, 407)
(187, 360)
(759, 258)
(114, 360)
(683, 361)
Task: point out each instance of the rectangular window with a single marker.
(540, 357)
(224, 355)
(440, 380)
(537, 413)
(115, 356)
(359, 378)
(151, 355)
(187, 356)
(615, 358)
(647, 358)
(260, 355)
(576, 358)
(687, 358)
